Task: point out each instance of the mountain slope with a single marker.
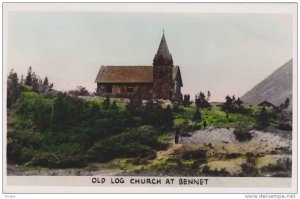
(275, 88)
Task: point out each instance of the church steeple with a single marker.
(163, 57)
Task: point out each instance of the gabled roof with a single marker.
(176, 74)
(266, 103)
(163, 57)
(125, 74)
(131, 74)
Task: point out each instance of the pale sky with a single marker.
(223, 53)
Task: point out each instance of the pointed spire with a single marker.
(163, 57)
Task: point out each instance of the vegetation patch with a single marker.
(242, 134)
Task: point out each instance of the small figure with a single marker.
(176, 135)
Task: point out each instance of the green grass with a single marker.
(164, 137)
(215, 117)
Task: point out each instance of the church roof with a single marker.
(163, 56)
(125, 74)
(131, 74)
(176, 74)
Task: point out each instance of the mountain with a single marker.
(275, 88)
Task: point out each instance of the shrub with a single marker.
(201, 100)
(242, 134)
(285, 127)
(194, 154)
(80, 91)
(197, 116)
(207, 171)
(232, 155)
(134, 105)
(14, 152)
(264, 118)
(138, 142)
(61, 156)
(44, 160)
(248, 170)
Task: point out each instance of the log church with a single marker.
(162, 80)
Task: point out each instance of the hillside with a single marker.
(59, 134)
(275, 88)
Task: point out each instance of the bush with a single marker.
(242, 134)
(248, 170)
(264, 118)
(209, 172)
(61, 156)
(134, 105)
(194, 154)
(80, 91)
(44, 160)
(138, 142)
(285, 127)
(14, 152)
(232, 155)
(201, 100)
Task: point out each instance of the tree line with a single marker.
(14, 85)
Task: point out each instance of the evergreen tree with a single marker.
(197, 116)
(35, 83)
(186, 100)
(263, 118)
(45, 85)
(28, 80)
(228, 104)
(201, 101)
(13, 89)
(233, 99)
(51, 86)
(208, 96)
(22, 80)
(238, 102)
(287, 103)
(46, 82)
(204, 124)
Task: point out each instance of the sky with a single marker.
(225, 53)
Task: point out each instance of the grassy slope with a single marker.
(171, 159)
(217, 118)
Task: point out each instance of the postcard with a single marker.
(150, 98)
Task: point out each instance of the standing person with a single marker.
(176, 135)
